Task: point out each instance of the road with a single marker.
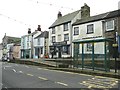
(27, 76)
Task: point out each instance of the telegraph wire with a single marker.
(51, 4)
(15, 20)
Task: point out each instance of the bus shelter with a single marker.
(92, 54)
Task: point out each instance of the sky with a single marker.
(16, 16)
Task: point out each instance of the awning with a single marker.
(91, 40)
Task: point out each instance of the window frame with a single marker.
(106, 25)
(53, 30)
(89, 47)
(88, 30)
(76, 30)
(54, 39)
(65, 38)
(64, 27)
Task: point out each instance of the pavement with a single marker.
(54, 65)
(20, 76)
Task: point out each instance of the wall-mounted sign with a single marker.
(60, 43)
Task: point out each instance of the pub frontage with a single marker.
(59, 49)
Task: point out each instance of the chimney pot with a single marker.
(29, 30)
(59, 14)
(39, 28)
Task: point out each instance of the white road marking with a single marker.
(27, 66)
(4, 67)
(30, 74)
(20, 71)
(39, 68)
(42, 78)
(45, 69)
(14, 70)
(62, 83)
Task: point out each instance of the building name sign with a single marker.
(60, 43)
(92, 37)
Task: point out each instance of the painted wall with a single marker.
(1, 52)
(16, 51)
(98, 33)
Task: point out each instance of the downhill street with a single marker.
(27, 76)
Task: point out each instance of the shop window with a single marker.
(89, 46)
(66, 49)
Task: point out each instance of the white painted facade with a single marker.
(1, 52)
(119, 5)
(39, 44)
(59, 35)
(97, 34)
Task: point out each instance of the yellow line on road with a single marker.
(62, 83)
(30, 74)
(42, 78)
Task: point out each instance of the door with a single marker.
(59, 52)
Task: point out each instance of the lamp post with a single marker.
(32, 46)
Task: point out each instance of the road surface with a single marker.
(27, 76)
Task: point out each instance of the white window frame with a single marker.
(76, 30)
(65, 27)
(66, 38)
(106, 25)
(89, 47)
(53, 39)
(53, 30)
(88, 30)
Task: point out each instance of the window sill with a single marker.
(90, 33)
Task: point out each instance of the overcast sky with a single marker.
(16, 16)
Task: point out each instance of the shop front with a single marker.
(59, 49)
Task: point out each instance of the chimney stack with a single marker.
(59, 14)
(85, 11)
(39, 28)
(29, 31)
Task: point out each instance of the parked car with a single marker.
(5, 59)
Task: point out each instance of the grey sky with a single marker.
(16, 16)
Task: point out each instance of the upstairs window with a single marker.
(90, 29)
(38, 41)
(110, 25)
(59, 37)
(53, 30)
(66, 37)
(53, 38)
(65, 27)
(76, 30)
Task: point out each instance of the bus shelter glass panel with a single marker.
(99, 55)
(86, 53)
(76, 54)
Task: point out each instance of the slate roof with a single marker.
(106, 15)
(12, 39)
(64, 19)
(43, 34)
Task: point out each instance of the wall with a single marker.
(1, 52)
(98, 33)
(16, 51)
